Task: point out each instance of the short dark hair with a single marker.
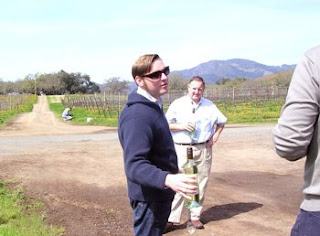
(198, 78)
(143, 64)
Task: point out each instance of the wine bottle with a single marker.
(191, 169)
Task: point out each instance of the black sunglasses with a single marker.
(157, 74)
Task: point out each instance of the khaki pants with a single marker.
(203, 158)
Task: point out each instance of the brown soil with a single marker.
(77, 171)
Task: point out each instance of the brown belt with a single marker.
(191, 144)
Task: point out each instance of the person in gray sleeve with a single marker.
(297, 135)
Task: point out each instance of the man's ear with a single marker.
(139, 81)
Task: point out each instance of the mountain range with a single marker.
(213, 71)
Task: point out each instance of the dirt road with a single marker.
(77, 171)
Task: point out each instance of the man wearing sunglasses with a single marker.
(150, 159)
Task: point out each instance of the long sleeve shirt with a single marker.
(297, 133)
(148, 150)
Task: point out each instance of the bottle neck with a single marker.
(189, 154)
(190, 160)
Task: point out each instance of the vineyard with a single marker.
(240, 105)
(11, 105)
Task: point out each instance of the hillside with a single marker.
(281, 78)
(214, 70)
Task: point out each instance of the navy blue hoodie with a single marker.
(148, 150)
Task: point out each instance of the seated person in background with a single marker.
(66, 114)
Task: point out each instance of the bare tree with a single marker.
(177, 82)
(115, 85)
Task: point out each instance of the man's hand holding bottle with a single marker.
(182, 184)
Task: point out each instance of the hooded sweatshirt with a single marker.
(148, 150)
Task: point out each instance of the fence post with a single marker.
(96, 103)
(233, 92)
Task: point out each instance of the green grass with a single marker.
(242, 112)
(81, 114)
(259, 111)
(251, 112)
(22, 217)
(26, 106)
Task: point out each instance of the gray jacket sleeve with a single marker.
(294, 131)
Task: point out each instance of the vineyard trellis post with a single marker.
(107, 104)
(103, 107)
(233, 93)
(96, 103)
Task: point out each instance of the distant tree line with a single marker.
(54, 83)
(72, 83)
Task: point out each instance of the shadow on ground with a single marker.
(221, 212)
(227, 211)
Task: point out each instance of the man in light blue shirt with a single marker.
(197, 122)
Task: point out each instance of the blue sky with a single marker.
(103, 38)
